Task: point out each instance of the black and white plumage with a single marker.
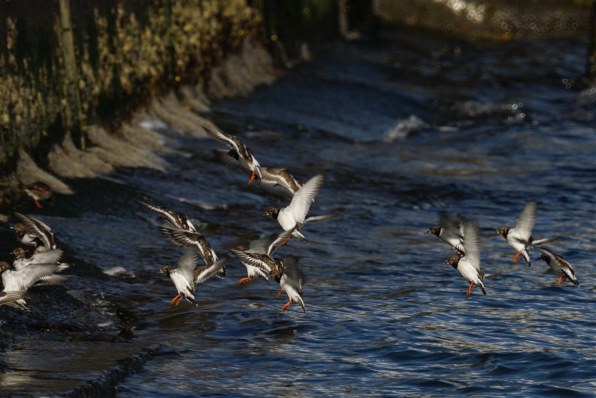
(240, 152)
(276, 180)
(171, 218)
(468, 264)
(450, 230)
(258, 264)
(294, 215)
(263, 246)
(291, 281)
(23, 279)
(182, 232)
(186, 275)
(33, 232)
(280, 177)
(196, 240)
(520, 236)
(558, 265)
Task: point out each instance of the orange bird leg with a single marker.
(37, 204)
(279, 293)
(561, 279)
(176, 297)
(285, 307)
(252, 177)
(516, 257)
(470, 289)
(245, 280)
(180, 299)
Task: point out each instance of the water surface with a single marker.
(401, 132)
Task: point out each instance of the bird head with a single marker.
(435, 230)
(503, 231)
(19, 253)
(4, 266)
(453, 260)
(165, 270)
(272, 212)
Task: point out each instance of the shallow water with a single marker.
(401, 132)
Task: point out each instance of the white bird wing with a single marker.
(9, 297)
(281, 239)
(471, 245)
(46, 256)
(294, 275)
(526, 220)
(452, 227)
(187, 263)
(28, 276)
(261, 245)
(321, 217)
(205, 273)
(302, 199)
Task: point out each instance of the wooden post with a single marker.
(72, 107)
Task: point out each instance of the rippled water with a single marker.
(401, 131)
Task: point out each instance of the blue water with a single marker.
(401, 132)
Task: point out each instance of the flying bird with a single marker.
(450, 230)
(186, 275)
(33, 232)
(558, 265)
(520, 236)
(468, 264)
(294, 215)
(240, 152)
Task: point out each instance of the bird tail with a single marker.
(481, 286)
(301, 302)
(526, 257)
(571, 276)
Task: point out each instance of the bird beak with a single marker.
(252, 177)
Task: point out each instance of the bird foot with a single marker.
(516, 257)
(176, 299)
(560, 279)
(286, 306)
(252, 177)
(469, 292)
(279, 293)
(245, 280)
